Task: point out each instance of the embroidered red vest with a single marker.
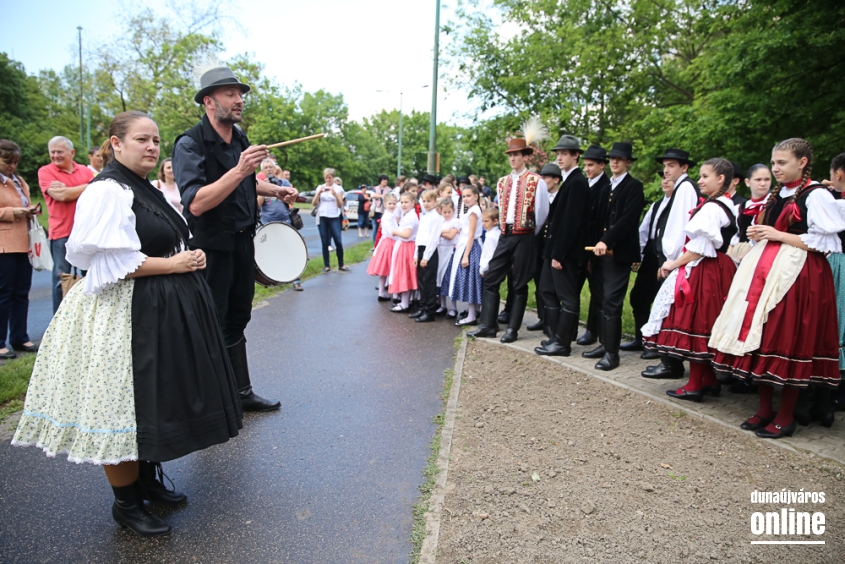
(526, 190)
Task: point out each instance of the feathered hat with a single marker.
(532, 132)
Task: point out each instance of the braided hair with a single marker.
(801, 148)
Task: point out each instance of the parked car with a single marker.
(350, 205)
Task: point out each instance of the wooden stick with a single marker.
(295, 141)
(609, 251)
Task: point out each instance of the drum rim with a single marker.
(258, 268)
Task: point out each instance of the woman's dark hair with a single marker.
(721, 167)
(838, 162)
(801, 148)
(119, 128)
(472, 188)
(754, 168)
(383, 177)
(161, 169)
(9, 151)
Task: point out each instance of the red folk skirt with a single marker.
(380, 263)
(404, 273)
(800, 344)
(686, 330)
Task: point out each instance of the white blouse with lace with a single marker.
(103, 240)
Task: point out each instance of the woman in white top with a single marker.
(167, 184)
(132, 370)
(329, 203)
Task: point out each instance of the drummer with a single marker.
(214, 166)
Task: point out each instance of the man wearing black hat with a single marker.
(739, 174)
(662, 238)
(563, 250)
(594, 159)
(523, 209)
(214, 166)
(618, 249)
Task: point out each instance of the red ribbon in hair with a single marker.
(701, 201)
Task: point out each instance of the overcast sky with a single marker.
(353, 47)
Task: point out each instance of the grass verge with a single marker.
(354, 254)
(14, 378)
(431, 470)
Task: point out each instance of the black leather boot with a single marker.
(489, 309)
(505, 314)
(612, 329)
(551, 317)
(637, 343)
(591, 334)
(668, 369)
(515, 323)
(250, 401)
(541, 324)
(128, 511)
(562, 344)
(152, 486)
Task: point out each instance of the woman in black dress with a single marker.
(133, 370)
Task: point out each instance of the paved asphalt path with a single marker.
(41, 300)
(331, 478)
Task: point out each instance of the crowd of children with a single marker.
(745, 291)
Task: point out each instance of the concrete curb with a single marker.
(428, 551)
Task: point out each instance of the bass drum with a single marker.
(280, 254)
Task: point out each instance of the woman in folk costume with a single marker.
(778, 326)
(696, 285)
(133, 369)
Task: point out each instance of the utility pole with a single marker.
(81, 111)
(432, 134)
(399, 161)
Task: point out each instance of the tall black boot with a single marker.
(599, 351)
(562, 343)
(250, 401)
(520, 301)
(489, 309)
(637, 343)
(152, 487)
(551, 317)
(612, 329)
(505, 314)
(591, 334)
(128, 511)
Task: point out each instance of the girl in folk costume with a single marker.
(778, 326)
(758, 179)
(403, 273)
(383, 257)
(446, 248)
(696, 285)
(466, 281)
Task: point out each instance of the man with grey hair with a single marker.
(62, 182)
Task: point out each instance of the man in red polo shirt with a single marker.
(62, 182)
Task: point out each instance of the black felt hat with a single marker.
(216, 78)
(430, 178)
(738, 172)
(622, 150)
(551, 169)
(595, 153)
(463, 180)
(676, 155)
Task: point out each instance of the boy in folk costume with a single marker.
(617, 250)
(523, 209)
(594, 161)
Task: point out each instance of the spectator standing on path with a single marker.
(214, 165)
(167, 184)
(15, 270)
(62, 182)
(329, 203)
(95, 160)
(364, 206)
(377, 197)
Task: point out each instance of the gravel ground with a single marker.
(552, 465)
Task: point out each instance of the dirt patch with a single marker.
(552, 465)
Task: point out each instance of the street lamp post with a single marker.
(432, 133)
(81, 103)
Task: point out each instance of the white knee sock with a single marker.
(406, 299)
(382, 280)
(470, 312)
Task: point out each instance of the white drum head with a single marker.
(280, 252)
